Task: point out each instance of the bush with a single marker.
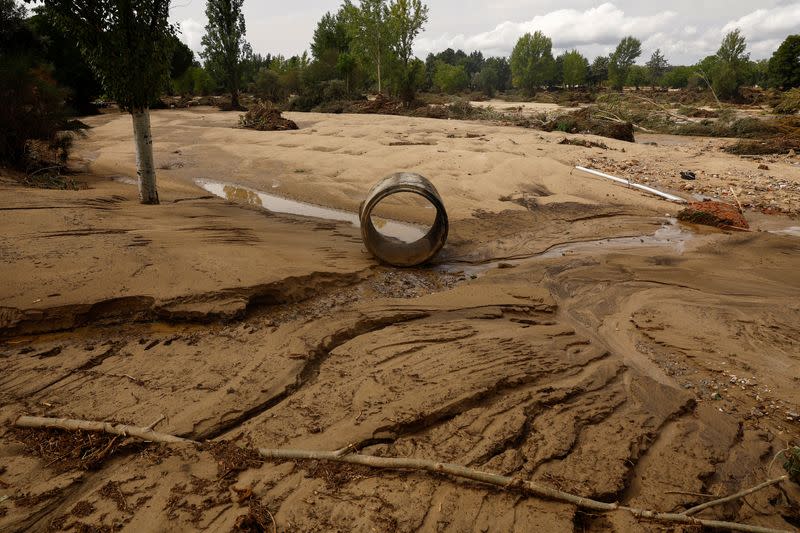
(267, 86)
(789, 103)
(450, 79)
(32, 110)
(196, 81)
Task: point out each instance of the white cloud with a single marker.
(603, 25)
(191, 32)
(762, 24)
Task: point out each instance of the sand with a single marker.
(570, 333)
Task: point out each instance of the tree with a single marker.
(657, 66)
(532, 63)
(128, 43)
(406, 19)
(575, 67)
(224, 46)
(677, 77)
(784, 65)
(330, 34)
(730, 68)
(620, 62)
(598, 71)
(182, 58)
(450, 78)
(369, 30)
(637, 76)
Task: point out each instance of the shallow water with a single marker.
(402, 231)
(670, 235)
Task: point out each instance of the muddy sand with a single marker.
(570, 333)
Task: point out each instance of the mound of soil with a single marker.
(264, 117)
(583, 121)
(717, 214)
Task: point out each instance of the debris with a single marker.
(667, 196)
(711, 213)
(762, 166)
(263, 116)
(688, 175)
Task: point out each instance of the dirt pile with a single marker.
(263, 116)
(585, 120)
(717, 214)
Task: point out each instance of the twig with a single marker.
(397, 463)
(741, 494)
(688, 493)
(736, 197)
(156, 422)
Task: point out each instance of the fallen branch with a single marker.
(102, 427)
(398, 463)
(629, 183)
(697, 508)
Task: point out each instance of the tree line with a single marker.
(62, 57)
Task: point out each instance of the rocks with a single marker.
(711, 213)
(688, 175)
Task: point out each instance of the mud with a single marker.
(597, 347)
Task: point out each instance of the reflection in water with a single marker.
(236, 193)
(669, 235)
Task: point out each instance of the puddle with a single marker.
(794, 231)
(401, 231)
(669, 235)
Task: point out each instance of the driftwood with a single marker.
(396, 463)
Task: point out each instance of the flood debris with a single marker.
(629, 183)
(712, 213)
(688, 175)
(263, 116)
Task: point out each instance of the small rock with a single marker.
(716, 396)
(762, 166)
(688, 175)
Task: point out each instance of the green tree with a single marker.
(369, 29)
(598, 71)
(638, 76)
(623, 58)
(677, 77)
(784, 65)
(532, 63)
(730, 68)
(657, 66)
(224, 46)
(406, 20)
(488, 79)
(575, 67)
(330, 34)
(450, 79)
(182, 58)
(129, 45)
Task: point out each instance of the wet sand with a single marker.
(570, 333)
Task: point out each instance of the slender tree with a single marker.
(406, 20)
(370, 31)
(224, 46)
(620, 62)
(532, 63)
(730, 68)
(657, 66)
(128, 43)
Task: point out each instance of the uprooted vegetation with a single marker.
(263, 116)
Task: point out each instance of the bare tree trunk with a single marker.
(145, 167)
(235, 99)
(379, 77)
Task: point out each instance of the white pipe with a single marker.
(629, 183)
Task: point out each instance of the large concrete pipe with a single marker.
(394, 251)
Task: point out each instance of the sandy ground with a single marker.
(569, 333)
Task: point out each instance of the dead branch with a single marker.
(103, 427)
(399, 463)
(738, 495)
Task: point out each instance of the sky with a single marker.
(684, 30)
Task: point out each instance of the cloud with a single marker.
(191, 32)
(603, 25)
(763, 24)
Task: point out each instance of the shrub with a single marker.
(789, 103)
(196, 81)
(32, 110)
(267, 86)
(450, 79)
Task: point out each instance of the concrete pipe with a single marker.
(394, 251)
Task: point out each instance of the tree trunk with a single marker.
(235, 99)
(145, 167)
(379, 77)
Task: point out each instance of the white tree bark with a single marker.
(145, 166)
